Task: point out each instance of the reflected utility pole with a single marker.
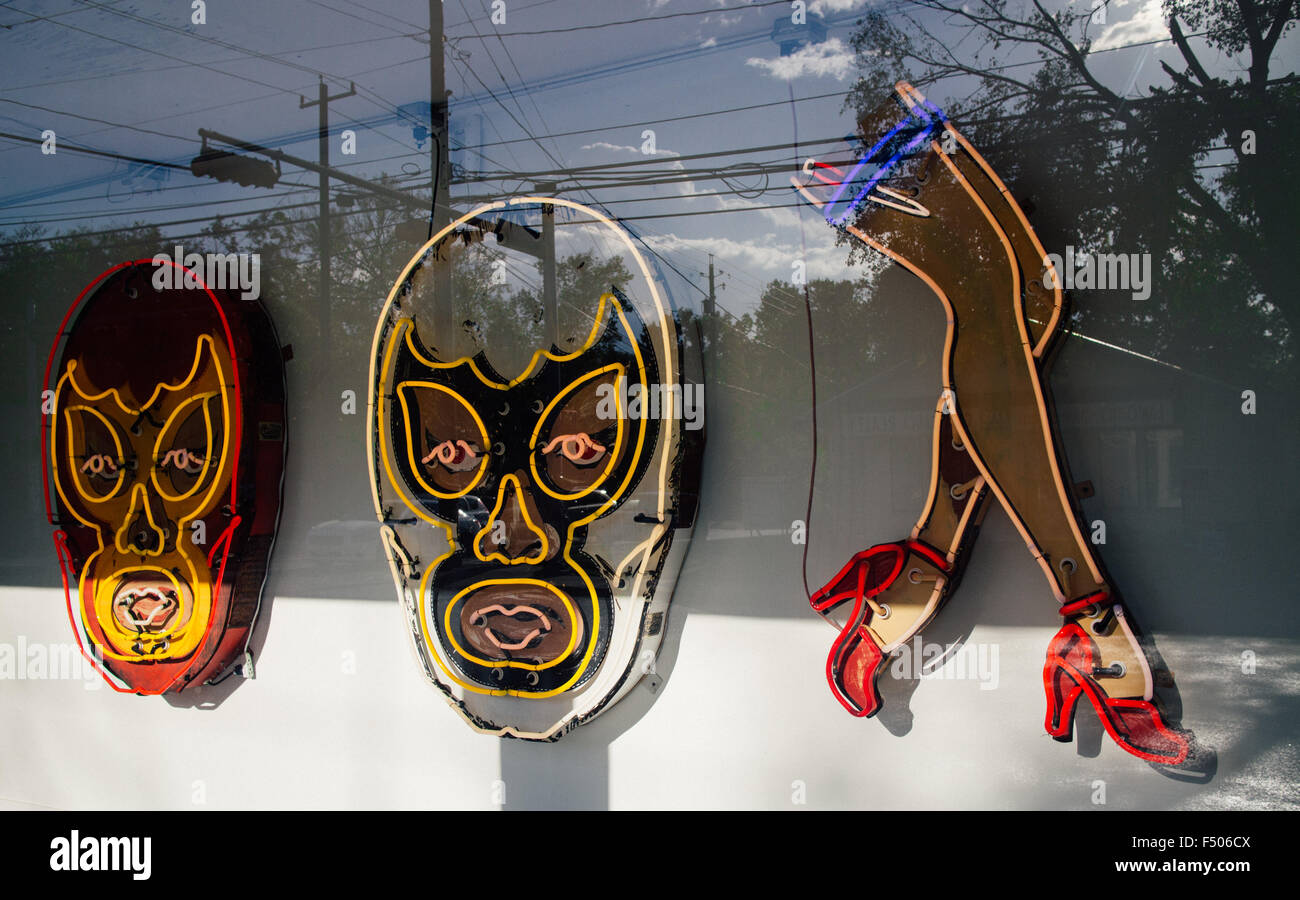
(440, 175)
(322, 100)
(550, 291)
(711, 304)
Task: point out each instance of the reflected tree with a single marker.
(1199, 170)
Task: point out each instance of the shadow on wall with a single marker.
(573, 773)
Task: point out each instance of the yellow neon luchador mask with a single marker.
(529, 498)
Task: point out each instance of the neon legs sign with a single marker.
(922, 196)
(163, 441)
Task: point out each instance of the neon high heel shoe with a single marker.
(1077, 665)
(888, 609)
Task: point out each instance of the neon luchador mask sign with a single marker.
(534, 513)
(922, 196)
(163, 439)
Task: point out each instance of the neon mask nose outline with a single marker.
(517, 493)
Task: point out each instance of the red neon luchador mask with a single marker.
(164, 446)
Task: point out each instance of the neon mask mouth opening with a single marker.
(500, 625)
(146, 604)
(518, 622)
